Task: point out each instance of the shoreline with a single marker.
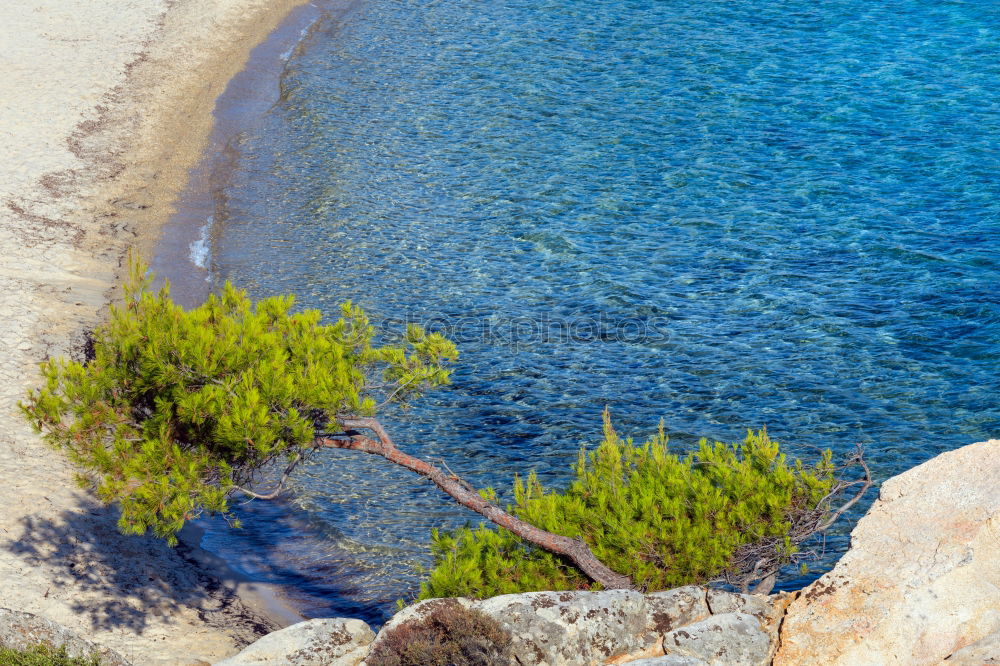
(105, 117)
(198, 209)
(196, 220)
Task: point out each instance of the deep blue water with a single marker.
(725, 214)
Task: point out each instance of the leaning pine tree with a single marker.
(176, 411)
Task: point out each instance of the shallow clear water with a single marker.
(723, 214)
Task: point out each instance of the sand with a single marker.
(104, 106)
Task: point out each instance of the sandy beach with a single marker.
(104, 107)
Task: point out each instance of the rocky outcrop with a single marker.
(21, 630)
(921, 581)
(688, 625)
(329, 642)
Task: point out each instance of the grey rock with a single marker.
(721, 602)
(769, 610)
(674, 608)
(620, 626)
(20, 630)
(727, 639)
(327, 642)
(575, 628)
(564, 628)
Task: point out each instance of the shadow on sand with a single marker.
(121, 581)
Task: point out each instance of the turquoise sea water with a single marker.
(723, 214)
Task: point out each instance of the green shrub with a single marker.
(450, 635)
(43, 655)
(662, 519)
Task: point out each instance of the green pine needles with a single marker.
(729, 512)
(177, 409)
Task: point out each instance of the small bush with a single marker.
(662, 519)
(451, 635)
(43, 655)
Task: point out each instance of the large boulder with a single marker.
(921, 581)
(329, 642)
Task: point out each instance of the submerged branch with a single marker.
(281, 482)
(762, 560)
(866, 483)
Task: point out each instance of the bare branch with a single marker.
(763, 559)
(865, 485)
(281, 482)
(396, 391)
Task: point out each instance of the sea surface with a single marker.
(723, 214)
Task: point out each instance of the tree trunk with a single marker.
(577, 551)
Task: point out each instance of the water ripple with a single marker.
(798, 202)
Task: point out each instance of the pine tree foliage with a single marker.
(661, 518)
(177, 408)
